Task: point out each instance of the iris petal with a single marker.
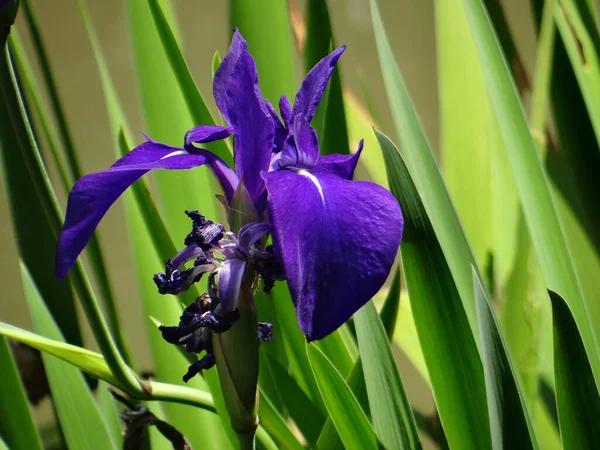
(93, 194)
(229, 284)
(314, 85)
(223, 74)
(337, 240)
(207, 133)
(252, 123)
(340, 165)
(301, 149)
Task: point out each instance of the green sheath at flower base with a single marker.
(236, 354)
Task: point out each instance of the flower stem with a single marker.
(247, 441)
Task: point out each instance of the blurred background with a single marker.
(205, 29)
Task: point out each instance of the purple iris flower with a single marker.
(335, 238)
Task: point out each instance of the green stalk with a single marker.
(12, 101)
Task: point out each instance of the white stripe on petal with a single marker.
(175, 153)
(312, 178)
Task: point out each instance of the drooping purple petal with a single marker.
(301, 148)
(223, 74)
(224, 174)
(251, 233)
(252, 123)
(314, 85)
(340, 165)
(93, 194)
(228, 285)
(337, 240)
(207, 133)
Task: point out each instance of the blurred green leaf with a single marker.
(579, 31)
(391, 306)
(469, 139)
(360, 126)
(295, 343)
(577, 396)
(391, 414)
(265, 25)
(510, 420)
(24, 193)
(37, 176)
(33, 90)
(546, 231)
(167, 118)
(405, 336)
(275, 425)
(16, 423)
(423, 168)
(80, 419)
(192, 96)
(110, 411)
(520, 313)
(354, 429)
(318, 44)
(307, 417)
(449, 348)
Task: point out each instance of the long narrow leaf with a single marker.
(449, 348)
(24, 194)
(80, 419)
(319, 39)
(510, 422)
(167, 119)
(577, 396)
(347, 416)
(392, 417)
(551, 249)
(16, 424)
(192, 96)
(423, 168)
(266, 27)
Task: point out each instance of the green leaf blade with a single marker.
(347, 416)
(448, 346)
(81, 421)
(546, 231)
(510, 422)
(392, 417)
(16, 423)
(577, 396)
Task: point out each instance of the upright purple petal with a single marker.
(340, 165)
(93, 194)
(337, 240)
(314, 85)
(207, 133)
(223, 74)
(280, 130)
(252, 123)
(285, 109)
(301, 149)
